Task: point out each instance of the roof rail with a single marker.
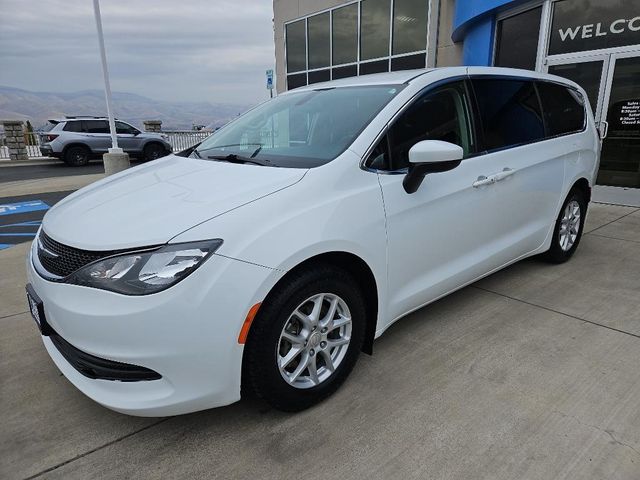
(70, 117)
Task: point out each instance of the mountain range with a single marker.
(38, 107)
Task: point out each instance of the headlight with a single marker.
(145, 272)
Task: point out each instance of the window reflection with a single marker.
(318, 31)
(374, 29)
(345, 34)
(409, 25)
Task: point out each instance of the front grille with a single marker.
(101, 368)
(62, 260)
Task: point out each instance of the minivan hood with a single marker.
(152, 203)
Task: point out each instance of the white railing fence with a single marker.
(183, 139)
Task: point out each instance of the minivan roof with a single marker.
(407, 76)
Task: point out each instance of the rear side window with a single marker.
(439, 114)
(96, 126)
(563, 108)
(73, 127)
(510, 112)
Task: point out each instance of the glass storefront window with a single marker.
(408, 62)
(318, 34)
(585, 74)
(374, 28)
(409, 25)
(517, 40)
(378, 66)
(345, 34)
(296, 46)
(580, 25)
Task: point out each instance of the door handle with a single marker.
(506, 172)
(496, 177)
(482, 181)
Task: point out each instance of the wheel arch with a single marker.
(76, 144)
(363, 274)
(582, 184)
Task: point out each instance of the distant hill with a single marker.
(38, 107)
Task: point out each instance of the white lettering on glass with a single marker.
(617, 22)
(587, 31)
(632, 24)
(568, 33)
(598, 32)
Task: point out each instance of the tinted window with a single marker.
(344, 72)
(122, 127)
(408, 63)
(96, 126)
(409, 25)
(345, 34)
(374, 28)
(585, 74)
(509, 112)
(296, 47)
(301, 129)
(319, 76)
(441, 114)
(318, 29)
(374, 67)
(297, 80)
(73, 126)
(517, 40)
(563, 108)
(379, 156)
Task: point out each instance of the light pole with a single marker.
(116, 159)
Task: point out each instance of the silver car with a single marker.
(78, 139)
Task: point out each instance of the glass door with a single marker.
(590, 72)
(620, 157)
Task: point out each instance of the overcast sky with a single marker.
(182, 50)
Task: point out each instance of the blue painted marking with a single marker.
(35, 223)
(17, 234)
(5, 245)
(23, 207)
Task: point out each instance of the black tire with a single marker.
(153, 151)
(556, 253)
(77, 156)
(261, 374)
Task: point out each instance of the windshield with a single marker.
(301, 129)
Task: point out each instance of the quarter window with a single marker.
(510, 112)
(563, 108)
(440, 114)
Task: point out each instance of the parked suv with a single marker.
(77, 139)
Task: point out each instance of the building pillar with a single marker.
(152, 125)
(14, 133)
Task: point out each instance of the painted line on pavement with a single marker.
(23, 207)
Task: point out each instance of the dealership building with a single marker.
(595, 43)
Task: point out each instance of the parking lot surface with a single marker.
(531, 373)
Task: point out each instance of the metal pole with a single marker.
(107, 86)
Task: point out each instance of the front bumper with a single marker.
(187, 334)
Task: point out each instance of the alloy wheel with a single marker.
(569, 225)
(314, 340)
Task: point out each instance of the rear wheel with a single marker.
(306, 339)
(568, 229)
(154, 151)
(77, 156)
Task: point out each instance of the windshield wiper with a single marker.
(233, 158)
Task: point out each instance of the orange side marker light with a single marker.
(244, 331)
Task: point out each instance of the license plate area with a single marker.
(36, 307)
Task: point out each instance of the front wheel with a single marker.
(153, 151)
(305, 339)
(568, 229)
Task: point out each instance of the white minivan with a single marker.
(265, 259)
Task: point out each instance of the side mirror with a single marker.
(430, 156)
